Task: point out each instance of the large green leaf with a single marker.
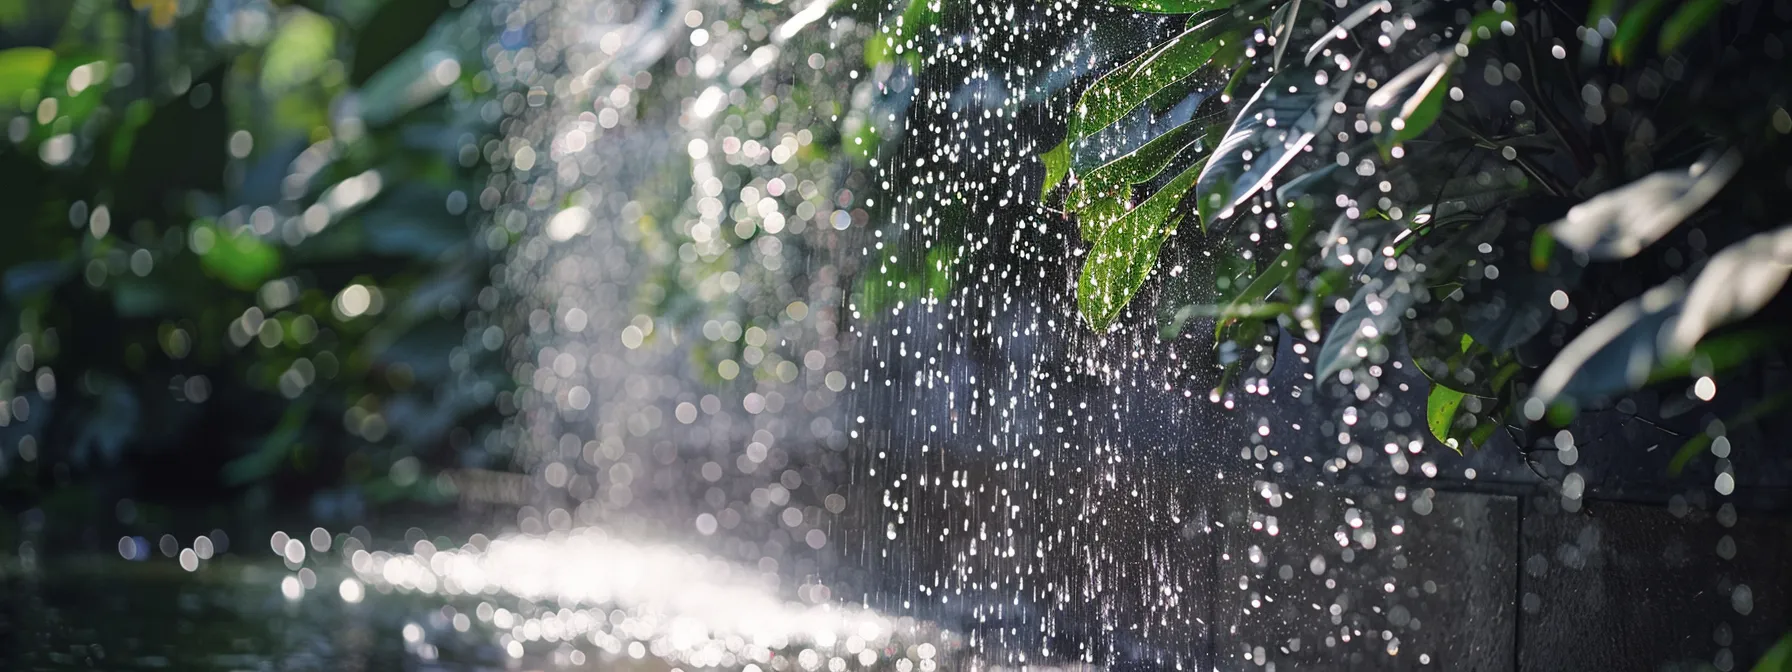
(22, 69)
(1278, 122)
(1126, 87)
(1623, 349)
(1620, 223)
(1123, 257)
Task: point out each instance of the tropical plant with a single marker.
(1550, 204)
(210, 203)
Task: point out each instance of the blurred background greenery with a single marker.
(242, 275)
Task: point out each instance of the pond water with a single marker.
(802, 384)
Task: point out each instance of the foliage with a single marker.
(212, 202)
(1450, 191)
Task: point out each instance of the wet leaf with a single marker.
(1122, 259)
(1103, 194)
(1407, 105)
(1440, 413)
(1344, 27)
(1377, 310)
(1272, 129)
(1687, 20)
(1280, 269)
(1620, 223)
(1130, 85)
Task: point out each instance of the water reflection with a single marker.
(587, 593)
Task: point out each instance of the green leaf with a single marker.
(1378, 308)
(1277, 123)
(898, 34)
(1636, 22)
(1692, 16)
(1344, 27)
(1440, 413)
(1279, 271)
(1778, 658)
(1131, 84)
(1416, 112)
(299, 52)
(1122, 259)
(241, 260)
(22, 69)
(1620, 223)
(1057, 165)
(1173, 6)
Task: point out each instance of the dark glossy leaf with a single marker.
(1504, 313)
(1272, 129)
(1344, 27)
(1378, 309)
(1616, 353)
(1123, 258)
(1620, 223)
(1409, 103)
